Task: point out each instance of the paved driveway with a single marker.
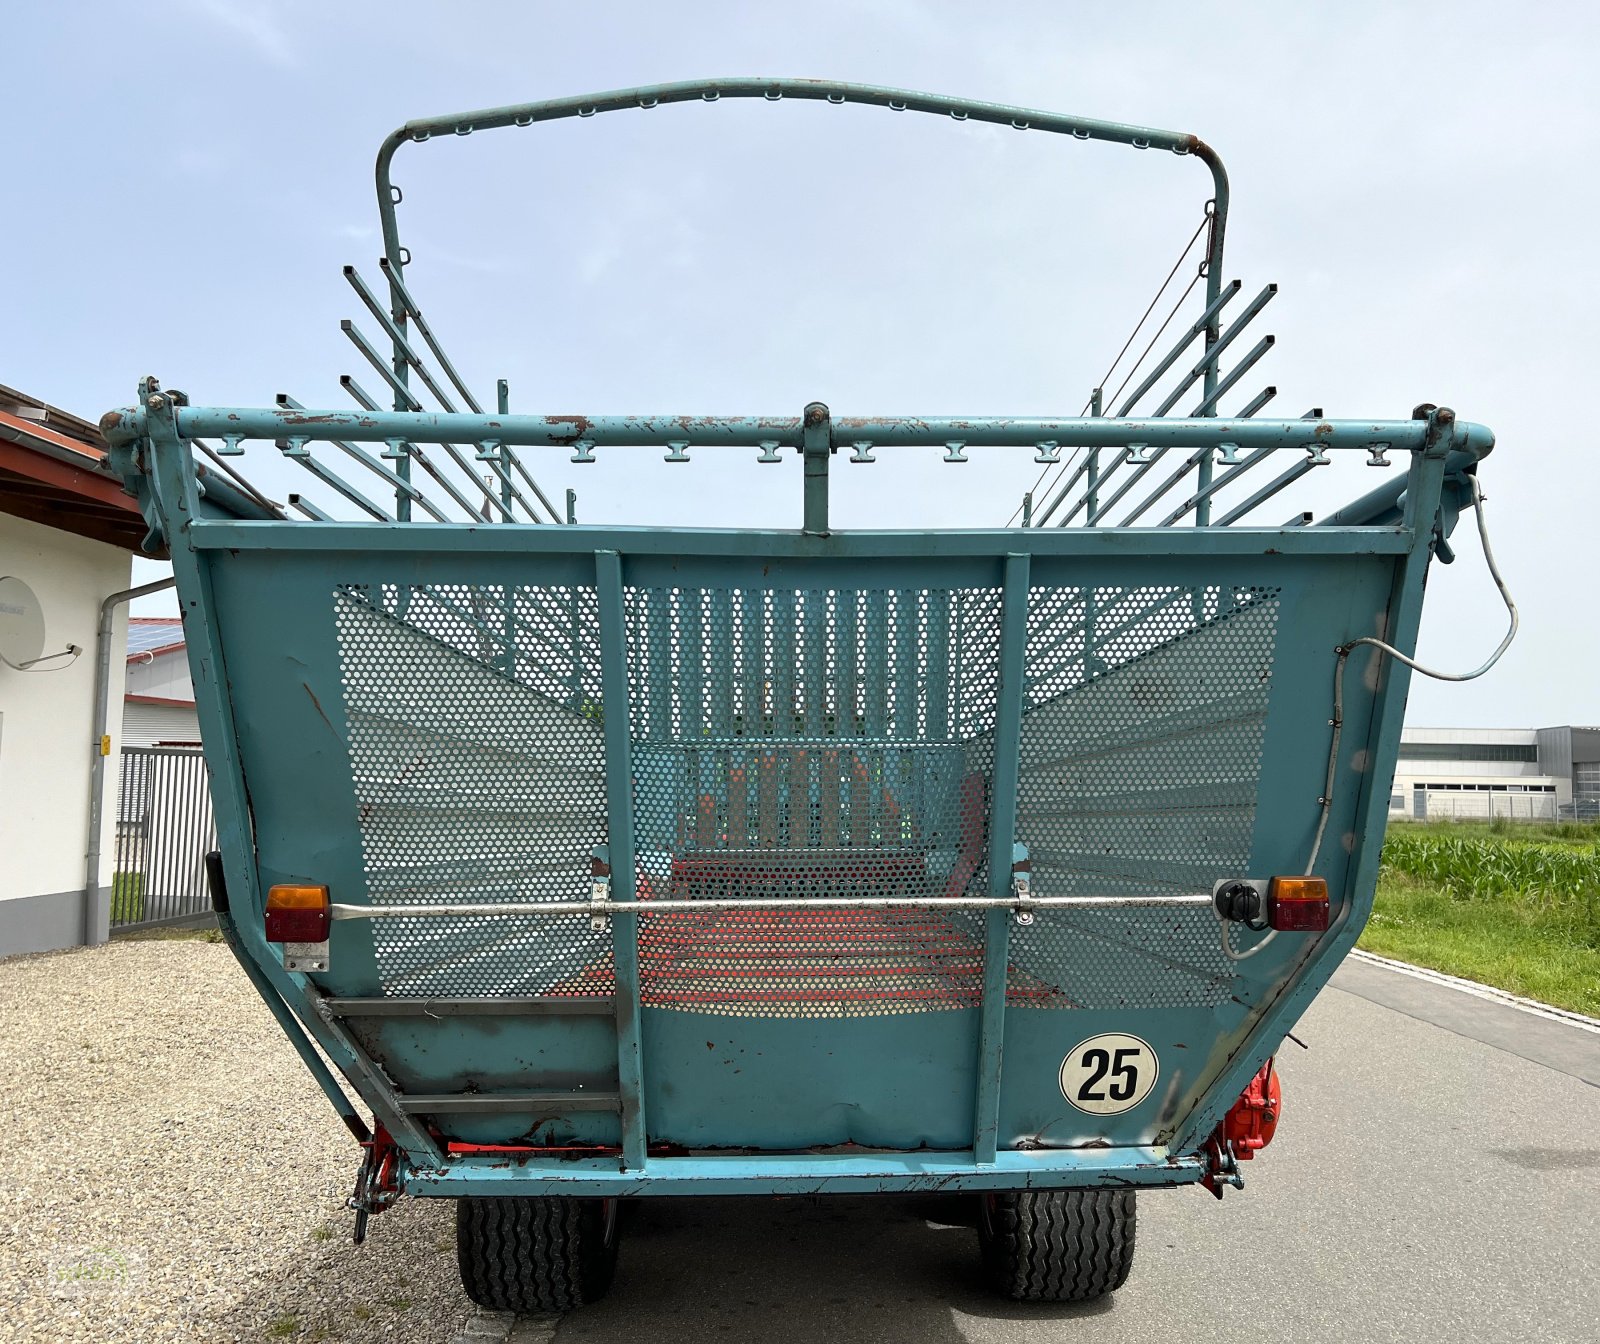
(1437, 1177)
(1424, 1186)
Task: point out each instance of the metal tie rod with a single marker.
(594, 908)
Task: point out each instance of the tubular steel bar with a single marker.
(653, 907)
(813, 90)
(620, 849)
(397, 257)
(1002, 841)
(805, 1174)
(177, 490)
(817, 437)
(550, 1005)
(493, 1103)
(660, 431)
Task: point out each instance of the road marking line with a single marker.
(1473, 987)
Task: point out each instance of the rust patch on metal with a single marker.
(318, 705)
(580, 426)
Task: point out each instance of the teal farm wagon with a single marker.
(609, 862)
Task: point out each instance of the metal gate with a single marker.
(164, 829)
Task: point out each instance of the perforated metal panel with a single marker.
(819, 744)
(806, 743)
(479, 768)
(1140, 756)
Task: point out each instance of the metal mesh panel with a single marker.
(479, 768)
(807, 743)
(1140, 754)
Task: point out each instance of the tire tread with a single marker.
(1058, 1245)
(532, 1253)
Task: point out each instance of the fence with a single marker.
(164, 828)
(1483, 805)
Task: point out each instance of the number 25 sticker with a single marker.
(1109, 1074)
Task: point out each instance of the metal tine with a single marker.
(1237, 469)
(1238, 371)
(401, 345)
(1229, 334)
(1203, 408)
(222, 466)
(367, 403)
(332, 479)
(309, 509)
(1196, 329)
(1185, 340)
(370, 354)
(1260, 399)
(1139, 509)
(1271, 488)
(398, 286)
(366, 459)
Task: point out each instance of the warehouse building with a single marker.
(1518, 773)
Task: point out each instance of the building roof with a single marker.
(54, 470)
(152, 635)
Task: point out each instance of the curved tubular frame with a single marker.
(814, 90)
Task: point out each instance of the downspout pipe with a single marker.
(97, 913)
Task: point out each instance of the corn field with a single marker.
(1559, 882)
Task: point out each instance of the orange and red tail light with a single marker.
(1298, 904)
(298, 914)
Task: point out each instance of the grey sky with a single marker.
(189, 175)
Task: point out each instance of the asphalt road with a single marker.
(1426, 1184)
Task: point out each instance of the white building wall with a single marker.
(1451, 793)
(152, 725)
(46, 722)
(166, 675)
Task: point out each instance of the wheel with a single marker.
(535, 1253)
(1057, 1245)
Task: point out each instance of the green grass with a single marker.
(1514, 906)
(161, 934)
(127, 898)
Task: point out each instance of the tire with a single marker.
(1057, 1245)
(535, 1253)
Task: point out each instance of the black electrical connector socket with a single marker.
(1240, 902)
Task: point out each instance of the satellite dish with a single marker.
(21, 623)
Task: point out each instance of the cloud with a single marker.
(255, 24)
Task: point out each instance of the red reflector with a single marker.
(297, 914)
(1298, 904)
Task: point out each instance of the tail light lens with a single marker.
(298, 914)
(1298, 904)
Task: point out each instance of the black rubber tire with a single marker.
(535, 1253)
(1057, 1245)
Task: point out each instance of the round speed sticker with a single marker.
(1109, 1074)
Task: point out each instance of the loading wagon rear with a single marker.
(607, 862)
